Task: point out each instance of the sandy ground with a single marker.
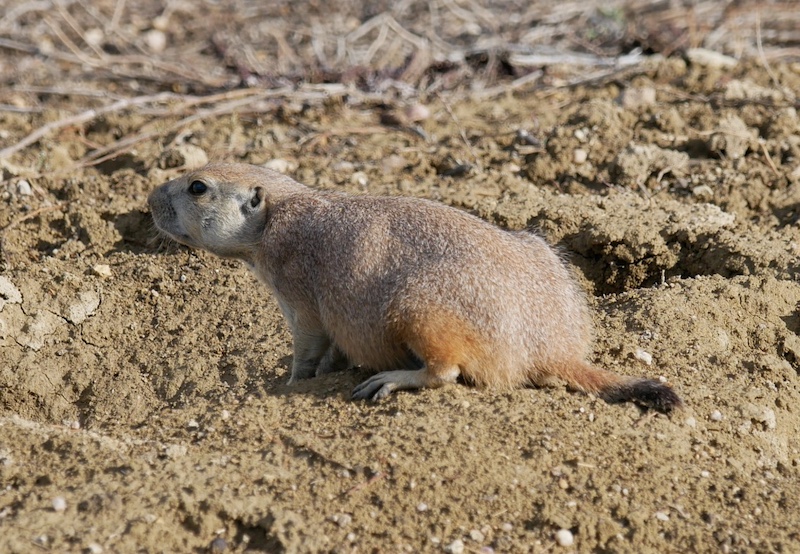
(143, 396)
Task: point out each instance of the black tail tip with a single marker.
(646, 392)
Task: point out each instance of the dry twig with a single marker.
(461, 131)
(83, 117)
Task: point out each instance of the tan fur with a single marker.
(420, 291)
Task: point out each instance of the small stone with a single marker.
(359, 178)
(281, 166)
(417, 112)
(59, 504)
(476, 535)
(102, 270)
(564, 537)
(161, 22)
(343, 166)
(175, 451)
(691, 422)
(94, 548)
(24, 188)
(156, 40)
(636, 97)
(75, 425)
(192, 424)
(661, 516)
(422, 507)
(94, 36)
(184, 155)
(225, 415)
(218, 545)
(342, 520)
(705, 474)
(709, 58)
(86, 306)
(580, 156)
(506, 527)
(9, 292)
(643, 356)
(716, 415)
(455, 547)
(703, 192)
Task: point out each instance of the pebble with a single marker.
(417, 112)
(709, 58)
(455, 547)
(691, 422)
(161, 22)
(716, 415)
(580, 156)
(422, 507)
(704, 192)
(24, 188)
(94, 548)
(342, 520)
(280, 165)
(643, 356)
(84, 307)
(59, 504)
(343, 166)
(564, 537)
(9, 292)
(506, 527)
(662, 516)
(635, 97)
(359, 178)
(156, 40)
(476, 535)
(175, 451)
(94, 36)
(102, 270)
(218, 545)
(183, 155)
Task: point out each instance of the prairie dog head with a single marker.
(221, 208)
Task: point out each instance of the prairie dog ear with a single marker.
(257, 197)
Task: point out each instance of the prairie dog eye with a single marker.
(197, 188)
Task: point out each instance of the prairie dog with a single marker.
(421, 292)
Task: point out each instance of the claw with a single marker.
(383, 384)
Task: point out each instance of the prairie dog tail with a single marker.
(615, 388)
